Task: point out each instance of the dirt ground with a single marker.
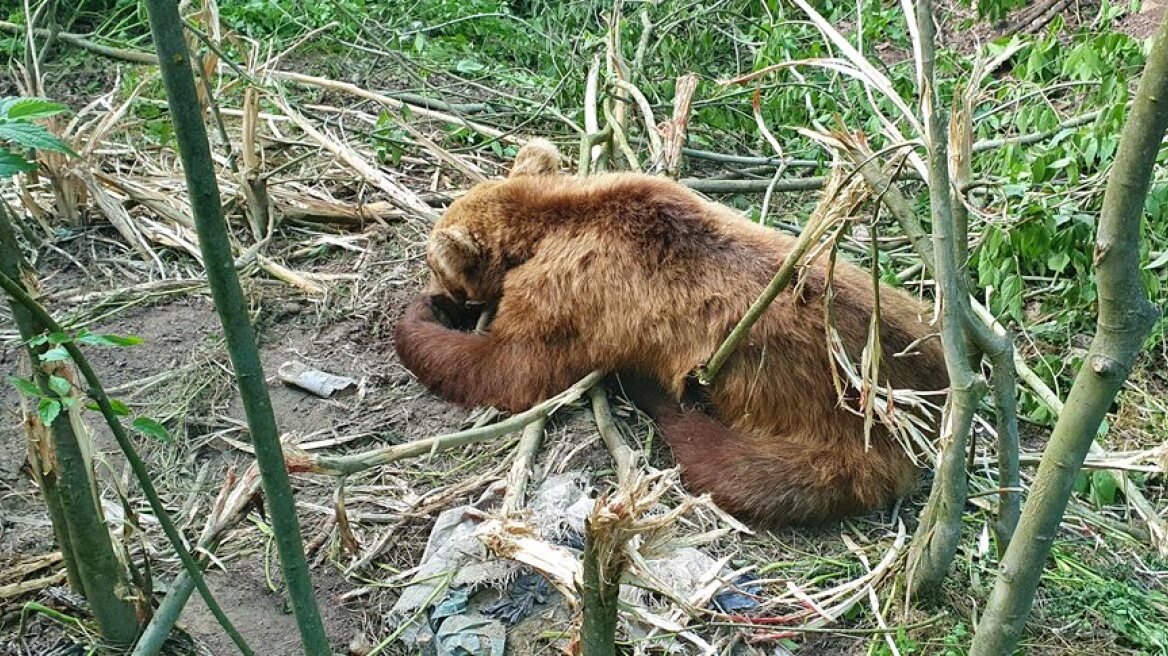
(185, 332)
(346, 336)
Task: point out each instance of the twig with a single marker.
(520, 472)
(625, 457)
(299, 460)
(1035, 137)
(906, 217)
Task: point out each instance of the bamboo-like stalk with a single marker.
(86, 541)
(1125, 318)
(190, 132)
(355, 462)
(998, 347)
(939, 532)
(816, 227)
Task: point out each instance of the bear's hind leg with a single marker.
(772, 480)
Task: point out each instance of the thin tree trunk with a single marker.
(99, 574)
(939, 531)
(1125, 318)
(190, 132)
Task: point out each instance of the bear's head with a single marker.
(468, 252)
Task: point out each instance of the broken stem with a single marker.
(352, 463)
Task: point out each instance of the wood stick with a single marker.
(299, 460)
(626, 457)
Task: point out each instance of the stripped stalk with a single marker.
(190, 132)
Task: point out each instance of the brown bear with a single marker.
(639, 276)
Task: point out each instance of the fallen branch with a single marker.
(299, 460)
(83, 42)
(753, 186)
(624, 456)
(520, 473)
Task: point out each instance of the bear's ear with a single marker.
(537, 157)
(452, 251)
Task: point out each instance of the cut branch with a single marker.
(299, 460)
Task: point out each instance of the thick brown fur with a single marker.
(635, 274)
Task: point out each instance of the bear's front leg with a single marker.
(510, 372)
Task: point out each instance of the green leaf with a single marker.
(91, 339)
(1082, 484)
(30, 108)
(30, 135)
(151, 427)
(1058, 261)
(48, 409)
(55, 354)
(120, 409)
(1103, 488)
(11, 164)
(25, 386)
(60, 385)
(59, 338)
